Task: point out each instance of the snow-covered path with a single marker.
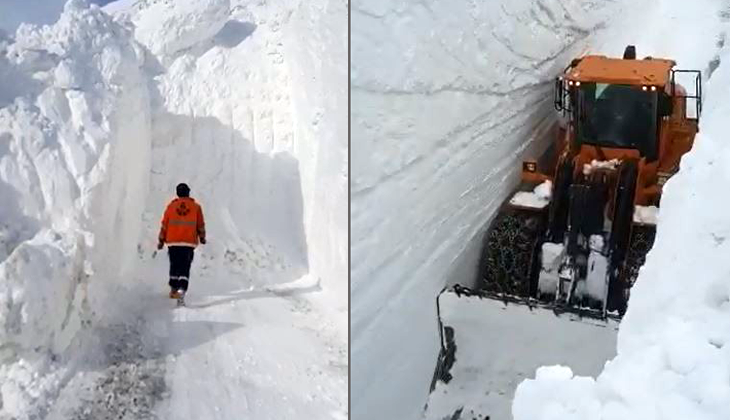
(235, 351)
(271, 356)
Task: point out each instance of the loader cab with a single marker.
(620, 116)
(621, 103)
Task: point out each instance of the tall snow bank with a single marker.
(74, 162)
(447, 98)
(255, 108)
(674, 342)
(319, 95)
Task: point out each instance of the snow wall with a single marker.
(447, 99)
(319, 68)
(264, 107)
(101, 116)
(75, 139)
(673, 350)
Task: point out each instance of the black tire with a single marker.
(510, 253)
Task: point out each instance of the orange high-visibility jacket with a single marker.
(182, 223)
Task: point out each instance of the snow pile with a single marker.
(447, 99)
(596, 282)
(552, 257)
(538, 198)
(38, 296)
(579, 390)
(673, 353)
(612, 164)
(167, 27)
(648, 215)
(74, 159)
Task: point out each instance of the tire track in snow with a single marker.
(121, 376)
(133, 381)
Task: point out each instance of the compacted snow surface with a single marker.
(447, 100)
(101, 114)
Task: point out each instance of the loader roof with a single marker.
(601, 69)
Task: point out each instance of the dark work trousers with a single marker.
(181, 257)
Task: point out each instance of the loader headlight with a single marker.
(644, 88)
(529, 166)
(577, 84)
(653, 88)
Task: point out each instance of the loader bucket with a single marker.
(490, 346)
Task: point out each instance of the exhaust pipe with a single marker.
(630, 52)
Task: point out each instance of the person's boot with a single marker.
(180, 297)
(174, 285)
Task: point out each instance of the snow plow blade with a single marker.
(488, 346)
(571, 312)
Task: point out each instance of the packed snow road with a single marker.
(235, 351)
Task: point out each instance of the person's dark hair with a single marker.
(183, 190)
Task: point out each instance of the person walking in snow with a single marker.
(182, 228)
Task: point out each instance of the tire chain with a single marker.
(507, 253)
(642, 240)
